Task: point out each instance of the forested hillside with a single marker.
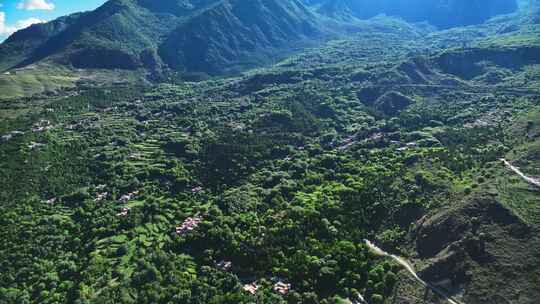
(280, 184)
(129, 34)
(215, 37)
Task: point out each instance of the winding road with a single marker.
(408, 266)
(411, 271)
(530, 180)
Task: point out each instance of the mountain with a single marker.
(440, 13)
(23, 42)
(116, 33)
(213, 36)
(196, 35)
(233, 31)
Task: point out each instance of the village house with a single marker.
(34, 145)
(127, 197)
(41, 126)
(282, 288)
(412, 144)
(408, 146)
(224, 265)
(251, 288)
(51, 201)
(347, 142)
(197, 189)
(188, 225)
(11, 135)
(100, 197)
(124, 212)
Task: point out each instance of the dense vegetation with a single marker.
(262, 188)
(165, 35)
(215, 37)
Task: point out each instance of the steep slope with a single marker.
(177, 7)
(212, 36)
(462, 246)
(196, 35)
(235, 30)
(340, 10)
(443, 14)
(23, 42)
(115, 35)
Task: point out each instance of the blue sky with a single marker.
(17, 14)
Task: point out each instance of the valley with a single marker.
(244, 151)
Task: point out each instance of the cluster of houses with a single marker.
(41, 126)
(280, 287)
(87, 123)
(124, 199)
(351, 140)
(188, 225)
(127, 197)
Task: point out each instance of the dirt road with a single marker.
(530, 180)
(411, 271)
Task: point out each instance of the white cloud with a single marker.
(4, 28)
(35, 5)
(24, 23)
(8, 29)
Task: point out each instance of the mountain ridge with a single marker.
(209, 36)
(442, 14)
(134, 34)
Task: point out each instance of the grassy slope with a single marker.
(28, 84)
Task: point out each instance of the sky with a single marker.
(18, 14)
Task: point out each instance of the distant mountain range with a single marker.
(440, 13)
(213, 36)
